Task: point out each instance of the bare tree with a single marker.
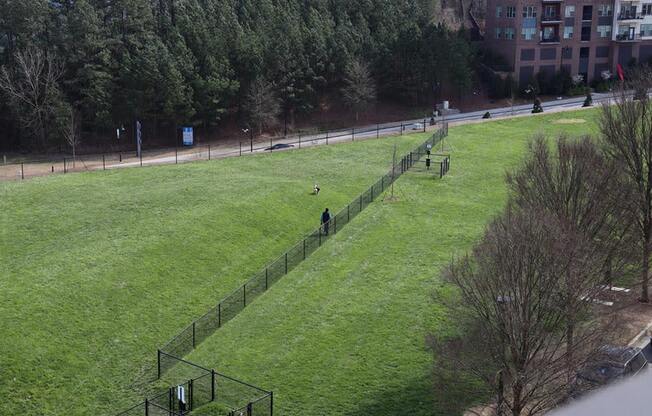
(577, 187)
(261, 105)
(359, 90)
(32, 87)
(511, 297)
(626, 129)
(70, 130)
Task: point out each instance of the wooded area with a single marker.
(91, 66)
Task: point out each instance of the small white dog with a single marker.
(316, 189)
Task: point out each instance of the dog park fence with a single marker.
(203, 386)
(129, 158)
(227, 308)
(240, 398)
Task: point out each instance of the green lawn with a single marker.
(98, 269)
(344, 333)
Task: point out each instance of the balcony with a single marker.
(626, 37)
(630, 16)
(552, 39)
(550, 19)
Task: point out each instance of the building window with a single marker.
(586, 34)
(549, 34)
(499, 33)
(509, 33)
(604, 31)
(510, 12)
(499, 11)
(550, 12)
(605, 10)
(646, 30)
(567, 53)
(529, 33)
(647, 9)
(570, 11)
(529, 11)
(568, 32)
(587, 12)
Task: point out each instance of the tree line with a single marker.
(89, 66)
(528, 307)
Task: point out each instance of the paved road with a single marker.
(385, 129)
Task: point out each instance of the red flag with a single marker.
(621, 75)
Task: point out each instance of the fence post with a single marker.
(244, 295)
(266, 280)
(171, 399)
(271, 403)
(219, 314)
(190, 394)
(304, 248)
(22, 171)
(209, 152)
(424, 125)
(158, 364)
(120, 157)
(249, 409)
(271, 144)
(286, 262)
(377, 130)
(146, 407)
(65, 170)
(348, 213)
(353, 134)
(372, 193)
(103, 163)
(193, 334)
(441, 170)
(176, 156)
(361, 203)
(141, 159)
(327, 137)
(212, 385)
(401, 129)
(240, 149)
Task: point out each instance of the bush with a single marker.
(577, 90)
(537, 108)
(487, 115)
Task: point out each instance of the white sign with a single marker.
(181, 394)
(187, 136)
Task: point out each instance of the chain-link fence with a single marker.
(230, 306)
(201, 387)
(104, 161)
(237, 398)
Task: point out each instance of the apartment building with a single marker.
(581, 36)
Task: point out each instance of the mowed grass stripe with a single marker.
(344, 333)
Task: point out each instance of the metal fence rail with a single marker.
(129, 158)
(230, 306)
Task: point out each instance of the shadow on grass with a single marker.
(422, 396)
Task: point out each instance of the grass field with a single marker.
(98, 269)
(344, 333)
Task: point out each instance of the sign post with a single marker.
(139, 139)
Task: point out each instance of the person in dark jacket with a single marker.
(325, 220)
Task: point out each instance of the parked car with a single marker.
(612, 363)
(279, 146)
(417, 126)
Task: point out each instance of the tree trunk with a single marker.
(645, 269)
(517, 405)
